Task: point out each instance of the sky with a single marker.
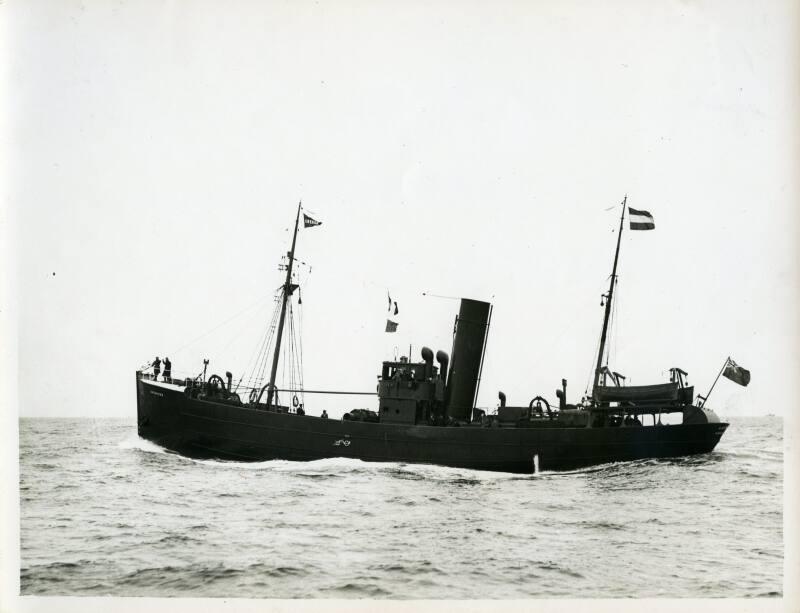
(157, 151)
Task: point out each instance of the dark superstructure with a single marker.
(426, 413)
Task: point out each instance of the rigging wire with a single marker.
(284, 351)
(238, 333)
(295, 373)
(259, 364)
(218, 326)
(300, 335)
(262, 372)
(615, 320)
(612, 320)
(593, 364)
(258, 352)
(290, 355)
(290, 350)
(591, 367)
(298, 369)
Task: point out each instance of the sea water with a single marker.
(103, 512)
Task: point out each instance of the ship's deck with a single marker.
(172, 386)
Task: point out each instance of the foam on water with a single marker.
(134, 441)
(287, 466)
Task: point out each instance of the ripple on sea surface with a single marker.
(104, 512)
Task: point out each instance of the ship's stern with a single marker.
(699, 415)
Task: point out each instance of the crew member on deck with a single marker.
(156, 368)
(300, 410)
(167, 370)
(324, 414)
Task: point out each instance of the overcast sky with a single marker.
(157, 152)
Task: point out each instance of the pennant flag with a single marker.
(736, 373)
(390, 301)
(395, 309)
(309, 222)
(641, 220)
(391, 326)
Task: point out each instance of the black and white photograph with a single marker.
(376, 305)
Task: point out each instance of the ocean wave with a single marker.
(321, 476)
(553, 566)
(423, 567)
(360, 590)
(601, 525)
(190, 576)
(278, 571)
(176, 539)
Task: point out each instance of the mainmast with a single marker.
(287, 290)
(608, 301)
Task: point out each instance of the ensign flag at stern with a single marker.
(736, 373)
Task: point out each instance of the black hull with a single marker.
(202, 429)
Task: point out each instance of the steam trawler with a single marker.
(426, 412)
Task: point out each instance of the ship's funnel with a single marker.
(469, 341)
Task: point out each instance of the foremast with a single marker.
(609, 298)
(287, 291)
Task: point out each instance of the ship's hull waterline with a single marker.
(205, 429)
